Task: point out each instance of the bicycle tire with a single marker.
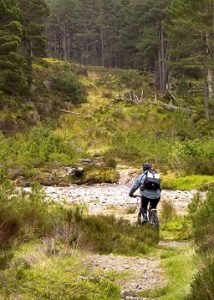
(153, 218)
(140, 219)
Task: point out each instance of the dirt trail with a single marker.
(138, 274)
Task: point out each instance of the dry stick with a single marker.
(173, 107)
(173, 97)
(74, 113)
(142, 94)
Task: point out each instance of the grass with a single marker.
(173, 226)
(179, 266)
(33, 275)
(191, 182)
(179, 229)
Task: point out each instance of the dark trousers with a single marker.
(144, 205)
(152, 203)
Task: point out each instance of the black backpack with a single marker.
(152, 181)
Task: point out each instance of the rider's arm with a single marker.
(137, 183)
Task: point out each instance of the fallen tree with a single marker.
(173, 107)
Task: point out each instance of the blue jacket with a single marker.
(145, 193)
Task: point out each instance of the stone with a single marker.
(76, 171)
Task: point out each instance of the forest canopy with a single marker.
(170, 39)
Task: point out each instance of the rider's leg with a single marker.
(144, 204)
(153, 203)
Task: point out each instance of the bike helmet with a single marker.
(146, 166)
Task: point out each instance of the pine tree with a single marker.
(85, 30)
(192, 35)
(33, 13)
(12, 78)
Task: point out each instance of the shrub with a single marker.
(202, 287)
(198, 156)
(100, 175)
(182, 125)
(69, 84)
(33, 149)
(106, 234)
(202, 214)
(26, 214)
(29, 215)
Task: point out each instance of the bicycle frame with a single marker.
(152, 216)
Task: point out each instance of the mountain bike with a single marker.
(151, 214)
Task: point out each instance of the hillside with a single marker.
(105, 117)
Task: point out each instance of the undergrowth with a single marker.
(108, 125)
(31, 274)
(202, 215)
(32, 216)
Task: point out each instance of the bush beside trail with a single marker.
(202, 213)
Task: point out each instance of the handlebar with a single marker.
(136, 196)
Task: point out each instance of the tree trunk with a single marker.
(102, 37)
(29, 65)
(161, 76)
(64, 42)
(206, 95)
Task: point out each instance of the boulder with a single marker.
(76, 171)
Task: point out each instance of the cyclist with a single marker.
(150, 189)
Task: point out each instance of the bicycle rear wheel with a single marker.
(153, 218)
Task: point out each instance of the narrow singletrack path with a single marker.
(134, 274)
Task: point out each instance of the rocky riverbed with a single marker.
(102, 197)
